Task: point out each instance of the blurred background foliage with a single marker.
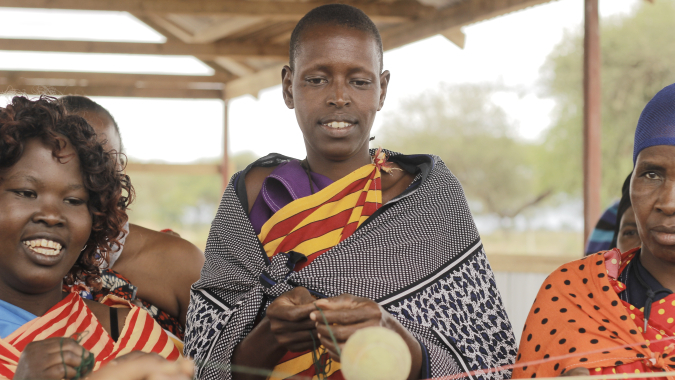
(511, 183)
(477, 141)
(183, 203)
(637, 61)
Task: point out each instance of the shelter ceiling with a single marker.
(244, 41)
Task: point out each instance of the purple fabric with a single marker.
(286, 183)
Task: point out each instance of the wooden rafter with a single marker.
(201, 51)
(102, 90)
(238, 65)
(111, 78)
(234, 67)
(253, 83)
(172, 37)
(207, 34)
(463, 13)
(111, 84)
(456, 36)
(276, 10)
(164, 27)
(159, 25)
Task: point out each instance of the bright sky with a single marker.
(510, 50)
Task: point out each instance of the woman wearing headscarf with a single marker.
(613, 312)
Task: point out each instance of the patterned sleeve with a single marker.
(435, 359)
(209, 324)
(460, 322)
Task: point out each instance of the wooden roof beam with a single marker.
(172, 37)
(122, 91)
(463, 13)
(456, 36)
(171, 32)
(252, 84)
(113, 78)
(235, 67)
(201, 51)
(209, 34)
(278, 10)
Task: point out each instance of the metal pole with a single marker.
(592, 111)
(224, 165)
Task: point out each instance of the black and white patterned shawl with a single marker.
(419, 256)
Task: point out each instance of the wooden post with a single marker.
(224, 165)
(592, 113)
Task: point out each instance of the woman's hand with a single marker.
(285, 327)
(143, 366)
(51, 359)
(347, 314)
(289, 320)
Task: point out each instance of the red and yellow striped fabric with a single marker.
(72, 317)
(313, 225)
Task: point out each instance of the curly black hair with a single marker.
(110, 190)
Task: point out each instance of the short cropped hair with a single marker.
(78, 104)
(334, 14)
(110, 191)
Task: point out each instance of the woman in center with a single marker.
(371, 238)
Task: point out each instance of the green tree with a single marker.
(637, 61)
(476, 140)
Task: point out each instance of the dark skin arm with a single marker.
(347, 314)
(163, 267)
(285, 327)
(254, 180)
(395, 183)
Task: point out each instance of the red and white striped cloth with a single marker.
(72, 318)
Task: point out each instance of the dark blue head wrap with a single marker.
(657, 122)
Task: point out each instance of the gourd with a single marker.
(375, 353)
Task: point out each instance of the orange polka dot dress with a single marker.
(578, 320)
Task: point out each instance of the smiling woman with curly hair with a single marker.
(63, 200)
(109, 190)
